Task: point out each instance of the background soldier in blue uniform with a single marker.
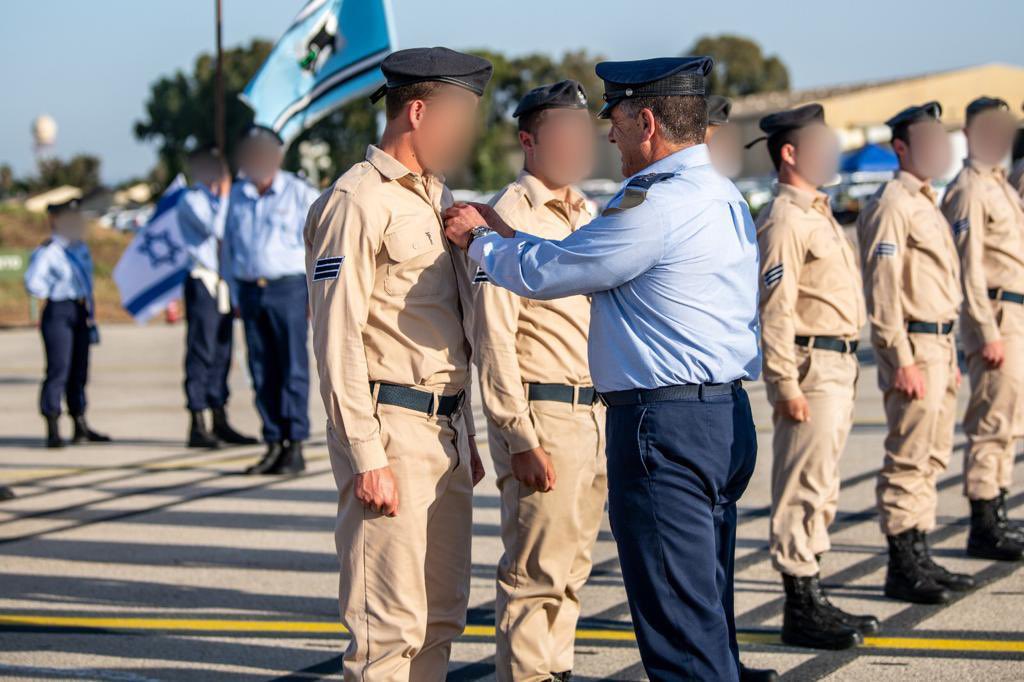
(201, 215)
(60, 271)
(265, 263)
(672, 267)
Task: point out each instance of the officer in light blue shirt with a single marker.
(202, 211)
(60, 272)
(672, 267)
(265, 262)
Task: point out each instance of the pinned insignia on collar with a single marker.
(635, 191)
(327, 268)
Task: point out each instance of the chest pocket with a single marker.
(1000, 214)
(418, 265)
(824, 247)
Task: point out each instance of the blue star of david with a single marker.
(159, 248)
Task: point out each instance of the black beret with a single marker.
(718, 110)
(567, 94)
(659, 77)
(423, 64)
(984, 104)
(69, 205)
(928, 110)
(791, 119)
(262, 132)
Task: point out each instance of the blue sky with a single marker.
(89, 62)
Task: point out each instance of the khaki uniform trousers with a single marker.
(920, 437)
(992, 422)
(404, 583)
(805, 464)
(548, 539)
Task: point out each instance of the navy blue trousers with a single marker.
(65, 329)
(207, 348)
(675, 472)
(276, 329)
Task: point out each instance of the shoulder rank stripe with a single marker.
(885, 249)
(327, 268)
(961, 226)
(645, 181)
(481, 277)
(773, 274)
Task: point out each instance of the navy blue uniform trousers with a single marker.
(276, 330)
(207, 348)
(675, 472)
(65, 329)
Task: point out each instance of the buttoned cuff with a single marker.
(787, 389)
(367, 455)
(520, 435)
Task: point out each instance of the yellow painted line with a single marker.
(335, 628)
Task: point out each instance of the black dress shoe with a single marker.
(291, 461)
(270, 459)
(957, 582)
(808, 620)
(906, 579)
(84, 434)
(53, 439)
(198, 435)
(989, 537)
(757, 674)
(6, 493)
(222, 429)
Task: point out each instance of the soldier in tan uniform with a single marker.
(1016, 178)
(988, 223)
(911, 285)
(391, 305)
(812, 310)
(545, 425)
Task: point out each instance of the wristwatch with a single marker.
(479, 231)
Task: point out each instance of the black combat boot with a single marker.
(1012, 527)
(223, 430)
(957, 582)
(809, 622)
(291, 462)
(905, 579)
(53, 439)
(989, 538)
(84, 434)
(198, 436)
(757, 674)
(274, 453)
(865, 625)
(6, 493)
(563, 676)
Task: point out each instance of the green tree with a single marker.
(741, 68)
(82, 171)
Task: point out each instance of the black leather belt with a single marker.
(1000, 295)
(839, 345)
(643, 396)
(562, 393)
(263, 282)
(421, 401)
(916, 327)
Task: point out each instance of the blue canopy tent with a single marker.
(871, 158)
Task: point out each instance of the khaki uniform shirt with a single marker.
(810, 282)
(518, 340)
(393, 311)
(988, 224)
(910, 266)
(1016, 178)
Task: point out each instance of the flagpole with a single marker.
(218, 104)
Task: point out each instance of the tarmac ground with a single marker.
(142, 560)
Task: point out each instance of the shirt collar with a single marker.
(697, 155)
(61, 240)
(276, 186)
(915, 185)
(539, 195)
(387, 165)
(803, 198)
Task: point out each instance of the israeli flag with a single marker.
(153, 268)
(330, 55)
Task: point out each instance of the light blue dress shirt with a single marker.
(673, 278)
(60, 270)
(263, 234)
(201, 216)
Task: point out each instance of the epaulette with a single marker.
(509, 198)
(636, 191)
(351, 178)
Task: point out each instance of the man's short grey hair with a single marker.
(683, 119)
